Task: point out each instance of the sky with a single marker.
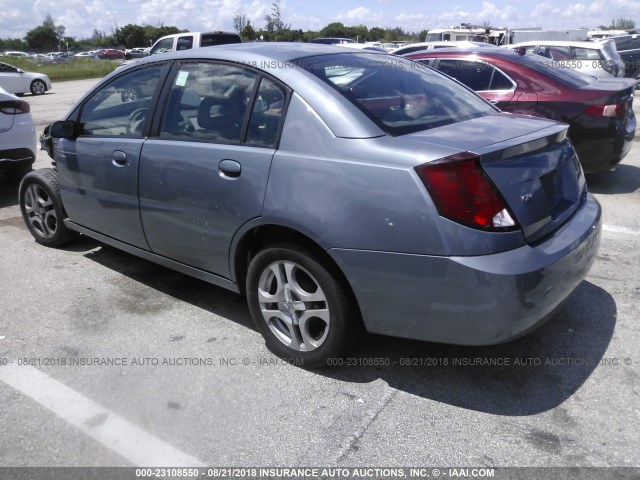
(81, 17)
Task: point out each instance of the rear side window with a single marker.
(221, 103)
(266, 116)
(475, 75)
(580, 53)
(208, 103)
(210, 39)
(184, 43)
(399, 95)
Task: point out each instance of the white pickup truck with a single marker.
(187, 40)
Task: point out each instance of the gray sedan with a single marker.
(334, 189)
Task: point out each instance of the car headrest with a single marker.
(215, 113)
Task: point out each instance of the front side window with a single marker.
(120, 108)
(208, 102)
(399, 95)
(163, 46)
(6, 68)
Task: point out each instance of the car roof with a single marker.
(559, 43)
(461, 51)
(261, 51)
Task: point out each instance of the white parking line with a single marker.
(114, 432)
(616, 229)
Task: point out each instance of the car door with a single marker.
(205, 173)
(98, 170)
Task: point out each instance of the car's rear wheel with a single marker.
(38, 87)
(299, 305)
(42, 209)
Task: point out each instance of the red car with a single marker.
(111, 54)
(599, 111)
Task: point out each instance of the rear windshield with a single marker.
(210, 39)
(399, 95)
(555, 70)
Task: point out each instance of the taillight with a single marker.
(613, 110)
(14, 107)
(462, 192)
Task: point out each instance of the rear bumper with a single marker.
(604, 148)
(473, 300)
(10, 159)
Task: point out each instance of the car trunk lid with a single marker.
(530, 161)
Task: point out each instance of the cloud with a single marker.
(81, 17)
(361, 16)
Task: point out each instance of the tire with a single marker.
(38, 87)
(42, 209)
(286, 285)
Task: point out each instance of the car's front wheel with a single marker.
(38, 87)
(42, 209)
(299, 305)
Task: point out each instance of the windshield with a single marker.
(399, 95)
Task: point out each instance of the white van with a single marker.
(187, 40)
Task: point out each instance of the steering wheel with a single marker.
(136, 121)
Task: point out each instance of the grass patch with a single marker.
(76, 69)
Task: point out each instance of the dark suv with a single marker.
(628, 47)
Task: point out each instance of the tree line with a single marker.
(49, 36)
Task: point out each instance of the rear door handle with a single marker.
(229, 169)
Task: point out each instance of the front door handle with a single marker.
(119, 159)
(229, 169)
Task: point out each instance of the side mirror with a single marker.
(20, 70)
(63, 129)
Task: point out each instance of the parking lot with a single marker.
(130, 363)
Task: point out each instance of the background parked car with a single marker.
(628, 47)
(135, 53)
(17, 136)
(599, 59)
(599, 111)
(17, 81)
(189, 40)
(417, 47)
(356, 186)
(16, 54)
(110, 54)
(331, 40)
